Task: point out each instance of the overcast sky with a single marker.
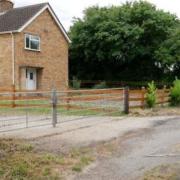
(67, 9)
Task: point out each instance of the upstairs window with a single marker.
(32, 42)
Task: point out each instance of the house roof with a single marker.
(16, 19)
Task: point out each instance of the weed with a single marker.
(21, 162)
(46, 171)
(85, 160)
(1, 172)
(26, 147)
(151, 95)
(20, 170)
(175, 93)
(77, 168)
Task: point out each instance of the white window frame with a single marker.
(31, 39)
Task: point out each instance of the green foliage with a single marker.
(26, 147)
(84, 161)
(101, 85)
(1, 172)
(122, 42)
(46, 171)
(20, 170)
(168, 53)
(175, 93)
(151, 95)
(76, 84)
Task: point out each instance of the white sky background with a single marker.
(67, 9)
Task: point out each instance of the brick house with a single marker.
(33, 48)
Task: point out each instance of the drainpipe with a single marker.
(13, 59)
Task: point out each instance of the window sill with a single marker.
(32, 50)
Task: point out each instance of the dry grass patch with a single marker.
(164, 172)
(19, 161)
(157, 111)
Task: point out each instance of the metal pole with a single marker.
(54, 108)
(126, 100)
(27, 118)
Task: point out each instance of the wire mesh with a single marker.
(78, 105)
(20, 110)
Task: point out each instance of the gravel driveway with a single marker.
(143, 143)
(143, 150)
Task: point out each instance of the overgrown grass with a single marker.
(20, 161)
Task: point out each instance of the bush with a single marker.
(76, 84)
(151, 95)
(175, 93)
(101, 85)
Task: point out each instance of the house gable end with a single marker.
(60, 26)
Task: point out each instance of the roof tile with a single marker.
(15, 18)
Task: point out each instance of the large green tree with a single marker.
(120, 42)
(168, 53)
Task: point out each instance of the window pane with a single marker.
(27, 41)
(32, 42)
(35, 45)
(31, 76)
(35, 38)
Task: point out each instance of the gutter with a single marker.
(8, 32)
(13, 58)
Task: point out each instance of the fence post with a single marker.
(54, 108)
(126, 100)
(143, 92)
(67, 102)
(13, 96)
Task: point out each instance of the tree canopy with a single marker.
(134, 41)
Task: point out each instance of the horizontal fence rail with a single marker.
(24, 109)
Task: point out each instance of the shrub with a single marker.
(175, 93)
(101, 85)
(151, 95)
(76, 84)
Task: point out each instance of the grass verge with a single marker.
(19, 160)
(62, 111)
(163, 172)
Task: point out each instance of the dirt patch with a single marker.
(21, 159)
(163, 172)
(158, 111)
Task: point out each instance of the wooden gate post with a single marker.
(126, 100)
(54, 108)
(143, 92)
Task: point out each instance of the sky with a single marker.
(67, 9)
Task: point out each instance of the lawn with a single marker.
(39, 107)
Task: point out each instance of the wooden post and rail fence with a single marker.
(130, 98)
